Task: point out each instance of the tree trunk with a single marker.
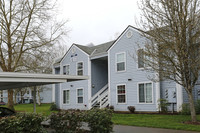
(22, 96)
(192, 107)
(34, 99)
(15, 100)
(10, 99)
(39, 101)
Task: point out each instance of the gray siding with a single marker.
(170, 85)
(131, 77)
(57, 89)
(195, 94)
(57, 95)
(73, 86)
(99, 74)
(46, 94)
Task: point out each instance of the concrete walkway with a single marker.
(132, 129)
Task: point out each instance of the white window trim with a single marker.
(77, 96)
(66, 70)
(117, 94)
(63, 99)
(120, 62)
(77, 67)
(138, 102)
(141, 68)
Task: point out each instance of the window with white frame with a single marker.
(66, 96)
(140, 53)
(79, 95)
(80, 68)
(145, 92)
(120, 62)
(66, 70)
(121, 94)
(1, 96)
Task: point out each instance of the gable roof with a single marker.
(98, 49)
(86, 49)
(121, 36)
(94, 50)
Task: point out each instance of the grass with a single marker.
(43, 108)
(156, 121)
(142, 120)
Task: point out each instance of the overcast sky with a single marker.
(97, 21)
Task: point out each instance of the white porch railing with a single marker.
(100, 99)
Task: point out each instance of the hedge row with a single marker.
(22, 123)
(71, 121)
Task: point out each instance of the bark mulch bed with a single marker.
(192, 123)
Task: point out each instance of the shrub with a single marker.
(163, 105)
(131, 109)
(99, 120)
(53, 107)
(111, 107)
(22, 123)
(66, 121)
(185, 109)
(197, 106)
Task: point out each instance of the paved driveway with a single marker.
(132, 129)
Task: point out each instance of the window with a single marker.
(121, 94)
(120, 62)
(66, 70)
(140, 58)
(66, 96)
(79, 95)
(1, 95)
(145, 93)
(80, 68)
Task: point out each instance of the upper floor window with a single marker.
(140, 53)
(66, 70)
(121, 94)
(145, 92)
(66, 96)
(120, 62)
(80, 68)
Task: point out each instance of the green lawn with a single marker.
(143, 120)
(44, 108)
(156, 121)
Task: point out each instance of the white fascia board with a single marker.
(123, 33)
(10, 75)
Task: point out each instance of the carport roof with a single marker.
(12, 80)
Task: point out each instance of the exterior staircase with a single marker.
(100, 99)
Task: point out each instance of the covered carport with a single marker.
(13, 80)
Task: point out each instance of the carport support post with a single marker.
(34, 99)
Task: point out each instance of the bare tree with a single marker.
(172, 28)
(26, 29)
(42, 63)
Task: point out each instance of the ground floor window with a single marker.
(145, 92)
(1, 96)
(121, 94)
(79, 95)
(66, 96)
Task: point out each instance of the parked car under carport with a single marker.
(4, 112)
